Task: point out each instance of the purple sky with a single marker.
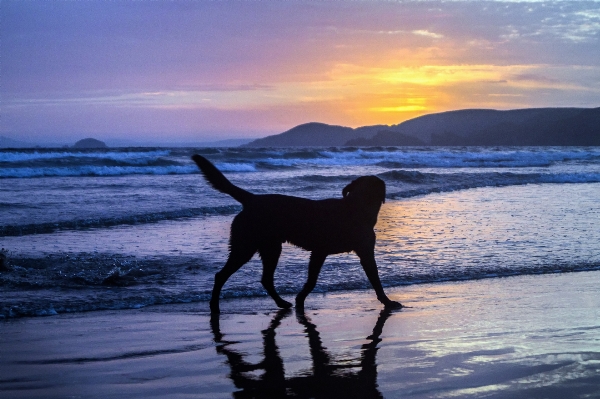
(173, 71)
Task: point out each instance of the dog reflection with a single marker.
(327, 378)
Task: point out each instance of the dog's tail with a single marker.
(220, 182)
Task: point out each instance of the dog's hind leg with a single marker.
(270, 256)
(239, 255)
(314, 268)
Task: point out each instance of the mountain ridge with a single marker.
(519, 127)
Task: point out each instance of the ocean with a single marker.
(124, 228)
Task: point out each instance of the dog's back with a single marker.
(328, 224)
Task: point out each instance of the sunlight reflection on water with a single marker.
(535, 225)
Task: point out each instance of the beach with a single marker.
(523, 336)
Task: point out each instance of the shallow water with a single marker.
(78, 240)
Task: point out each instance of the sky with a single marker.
(190, 71)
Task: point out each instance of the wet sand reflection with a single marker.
(328, 378)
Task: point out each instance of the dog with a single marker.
(323, 227)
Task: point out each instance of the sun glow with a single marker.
(357, 95)
(393, 93)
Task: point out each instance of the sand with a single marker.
(514, 337)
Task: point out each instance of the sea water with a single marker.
(130, 227)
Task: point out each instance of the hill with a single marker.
(386, 138)
(530, 127)
(316, 134)
(90, 143)
(522, 127)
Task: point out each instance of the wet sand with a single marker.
(514, 337)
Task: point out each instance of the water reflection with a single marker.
(326, 379)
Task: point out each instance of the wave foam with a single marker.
(134, 156)
(415, 183)
(15, 164)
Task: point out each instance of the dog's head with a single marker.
(366, 188)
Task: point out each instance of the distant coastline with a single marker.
(469, 127)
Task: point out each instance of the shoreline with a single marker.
(522, 336)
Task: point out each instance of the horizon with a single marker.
(204, 72)
(230, 142)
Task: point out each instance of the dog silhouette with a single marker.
(323, 227)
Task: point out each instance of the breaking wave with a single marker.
(40, 163)
(82, 224)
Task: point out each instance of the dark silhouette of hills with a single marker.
(522, 127)
(90, 143)
(558, 127)
(316, 134)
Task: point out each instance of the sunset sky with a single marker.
(164, 71)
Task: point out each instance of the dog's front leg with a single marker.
(367, 260)
(314, 268)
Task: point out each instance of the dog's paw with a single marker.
(393, 305)
(284, 304)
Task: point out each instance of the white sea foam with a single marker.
(135, 156)
(95, 171)
(114, 163)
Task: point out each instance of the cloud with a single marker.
(426, 33)
(532, 77)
